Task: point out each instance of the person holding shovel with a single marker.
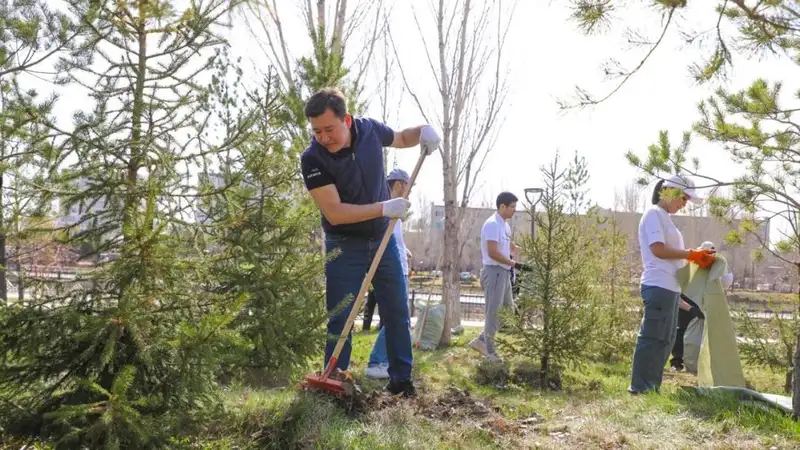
(378, 364)
(663, 254)
(343, 170)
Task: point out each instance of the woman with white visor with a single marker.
(663, 254)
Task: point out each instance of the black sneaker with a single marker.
(402, 387)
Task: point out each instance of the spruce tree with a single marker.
(31, 33)
(555, 319)
(258, 224)
(122, 358)
(616, 323)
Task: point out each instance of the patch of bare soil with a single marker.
(455, 403)
(459, 405)
(452, 405)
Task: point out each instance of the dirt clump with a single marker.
(455, 403)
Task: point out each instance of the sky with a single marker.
(547, 57)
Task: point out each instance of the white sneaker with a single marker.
(478, 345)
(380, 372)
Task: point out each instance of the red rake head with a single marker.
(326, 384)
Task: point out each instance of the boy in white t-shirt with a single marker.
(496, 256)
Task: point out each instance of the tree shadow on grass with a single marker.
(730, 409)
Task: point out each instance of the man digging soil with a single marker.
(343, 170)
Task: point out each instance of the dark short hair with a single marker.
(657, 192)
(326, 98)
(392, 183)
(506, 198)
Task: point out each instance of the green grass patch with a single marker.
(593, 410)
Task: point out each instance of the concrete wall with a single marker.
(426, 244)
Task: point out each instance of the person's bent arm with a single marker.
(408, 137)
(662, 251)
(423, 135)
(655, 238)
(494, 253)
(338, 213)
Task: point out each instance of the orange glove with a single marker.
(703, 258)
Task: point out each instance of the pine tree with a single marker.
(31, 33)
(259, 226)
(122, 358)
(616, 323)
(556, 319)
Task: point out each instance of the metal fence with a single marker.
(472, 305)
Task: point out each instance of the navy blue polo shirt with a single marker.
(356, 171)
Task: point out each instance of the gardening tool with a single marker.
(324, 382)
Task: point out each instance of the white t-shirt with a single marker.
(656, 226)
(496, 229)
(401, 245)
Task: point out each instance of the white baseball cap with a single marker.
(707, 245)
(686, 185)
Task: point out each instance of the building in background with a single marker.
(84, 215)
(426, 244)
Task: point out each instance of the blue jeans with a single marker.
(378, 354)
(344, 275)
(656, 338)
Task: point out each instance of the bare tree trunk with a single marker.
(338, 28)
(451, 285)
(3, 292)
(796, 377)
(613, 257)
(795, 388)
(3, 278)
(20, 280)
(321, 16)
(466, 64)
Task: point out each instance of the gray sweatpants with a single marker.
(496, 284)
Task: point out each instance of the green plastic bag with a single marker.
(429, 327)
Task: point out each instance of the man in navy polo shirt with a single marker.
(343, 170)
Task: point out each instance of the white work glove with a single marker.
(727, 280)
(396, 208)
(429, 139)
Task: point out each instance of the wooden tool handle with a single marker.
(359, 300)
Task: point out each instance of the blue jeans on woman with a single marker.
(344, 275)
(378, 354)
(655, 340)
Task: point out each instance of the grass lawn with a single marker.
(452, 412)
